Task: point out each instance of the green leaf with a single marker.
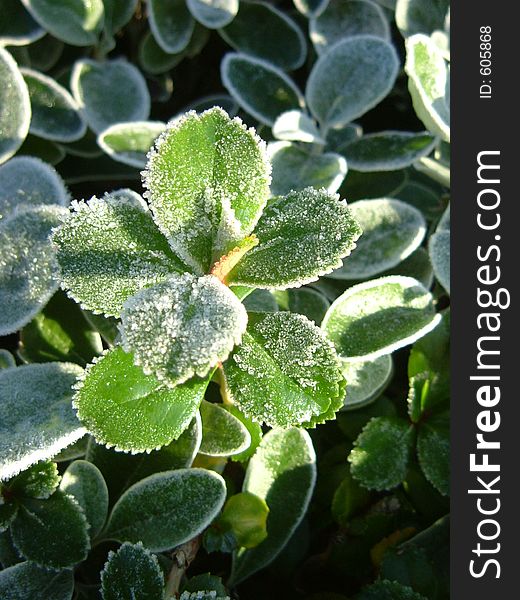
(54, 111)
(310, 8)
(15, 107)
(262, 89)
(153, 59)
(83, 481)
(296, 126)
(182, 327)
(38, 481)
(302, 236)
(222, 433)
(109, 92)
(208, 182)
(108, 249)
(205, 581)
(36, 418)
(28, 182)
(388, 150)
(27, 580)
(52, 533)
(225, 102)
(132, 572)
(246, 515)
(348, 499)
(213, 13)
(254, 429)
(202, 595)
(284, 372)
(420, 16)
(129, 143)
(433, 451)
(8, 512)
(342, 19)
(259, 301)
(351, 78)
(17, 27)
(167, 509)
(76, 22)
(73, 451)
(45, 150)
(45, 53)
(361, 186)
(283, 473)
(118, 13)
(303, 301)
(366, 380)
(428, 81)
(171, 24)
(439, 249)
(435, 169)
(28, 269)
(263, 31)
(7, 360)
(379, 316)
(392, 231)
(123, 407)
(388, 590)
(339, 138)
(294, 168)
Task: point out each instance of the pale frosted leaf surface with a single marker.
(302, 236)
(36, 416)
(83, 481)
(384, 589)
(380, 456)
(342, 19)
(388, 150)
(15, 107)
(261, 89)
(392, 231)
(17, 27)
(340, 137)
(439, 249)
(123, 407)
(132, 572)
(433, 451)
(283, 473)
(351, 78)
(110, 248)
(38, 481)
(129, 143)
(213, 13)
(262, 30)
(76, 22)
(294, 169)
(428, 81)
(310, 8)
(28, 269)
(297, 126)
(171, 24)
(183, 326)
(222, 433)
(6, 359)
(303, 301)
(55, 113)
(366, 380)
(167, 509)
(208, 182)
(420, 16)
(29, 182)
(379, 316)
(435, 169)
(27, 580)
(109, 92)
(284, 372)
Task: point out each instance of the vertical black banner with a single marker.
(485, 268)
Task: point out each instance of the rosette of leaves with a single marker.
(174, 272)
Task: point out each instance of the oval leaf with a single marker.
(222, 433)
(129, 143)
(246, 515)
(297, 126)
(433, 451)
(27, 580)
(303, 301)
(17, 27)
(213, 13)
(439, 249)
(366, 380)
(420, 16)
(171, 23)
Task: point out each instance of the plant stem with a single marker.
(182, 558)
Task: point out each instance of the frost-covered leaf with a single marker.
(29, 182)
(38, 481)
(171, 24)
(435, 169)
(28, 269)
(388, 150)
(52, 533)
(420, 16)
(132, 572)
(167, 509)
(381, 453)
(392, 231)
(55, 113)
(350, 79)
(8, 512)
(15, 107)
(76, 22)
(246, 515)
(428, 80)
(284, 372)
(283, 473)
(417, 265)
(109, 92)
(17, 27)
(129, 143)
(222, 433)
(366, 380)
(303, 301)
(7, 360)
(439, 249)
(27, 580)
(45, 53)
(153, 59)
(294, 169)
(36, 417)
(83, 481)
(260, 301)
(118, 13)
(208, 181)
(254, 429)
(302, 236)
(213, 13)
(379, 316)
(339, 138)
(388, 590)
(182, 327)
(296, 126)
(342, 19)
(123, 407)
(433, 451)
(262, 30)
(262, 89)
(110, 248)
(310, 8)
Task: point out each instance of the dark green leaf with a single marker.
(27, 580)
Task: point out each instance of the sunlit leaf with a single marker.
(222, 433)
(366, 380)
(420, 16)
(129, 143)
(246, 515)
(38, 481)
(297, 126)
(439, 249)
(213, 13)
